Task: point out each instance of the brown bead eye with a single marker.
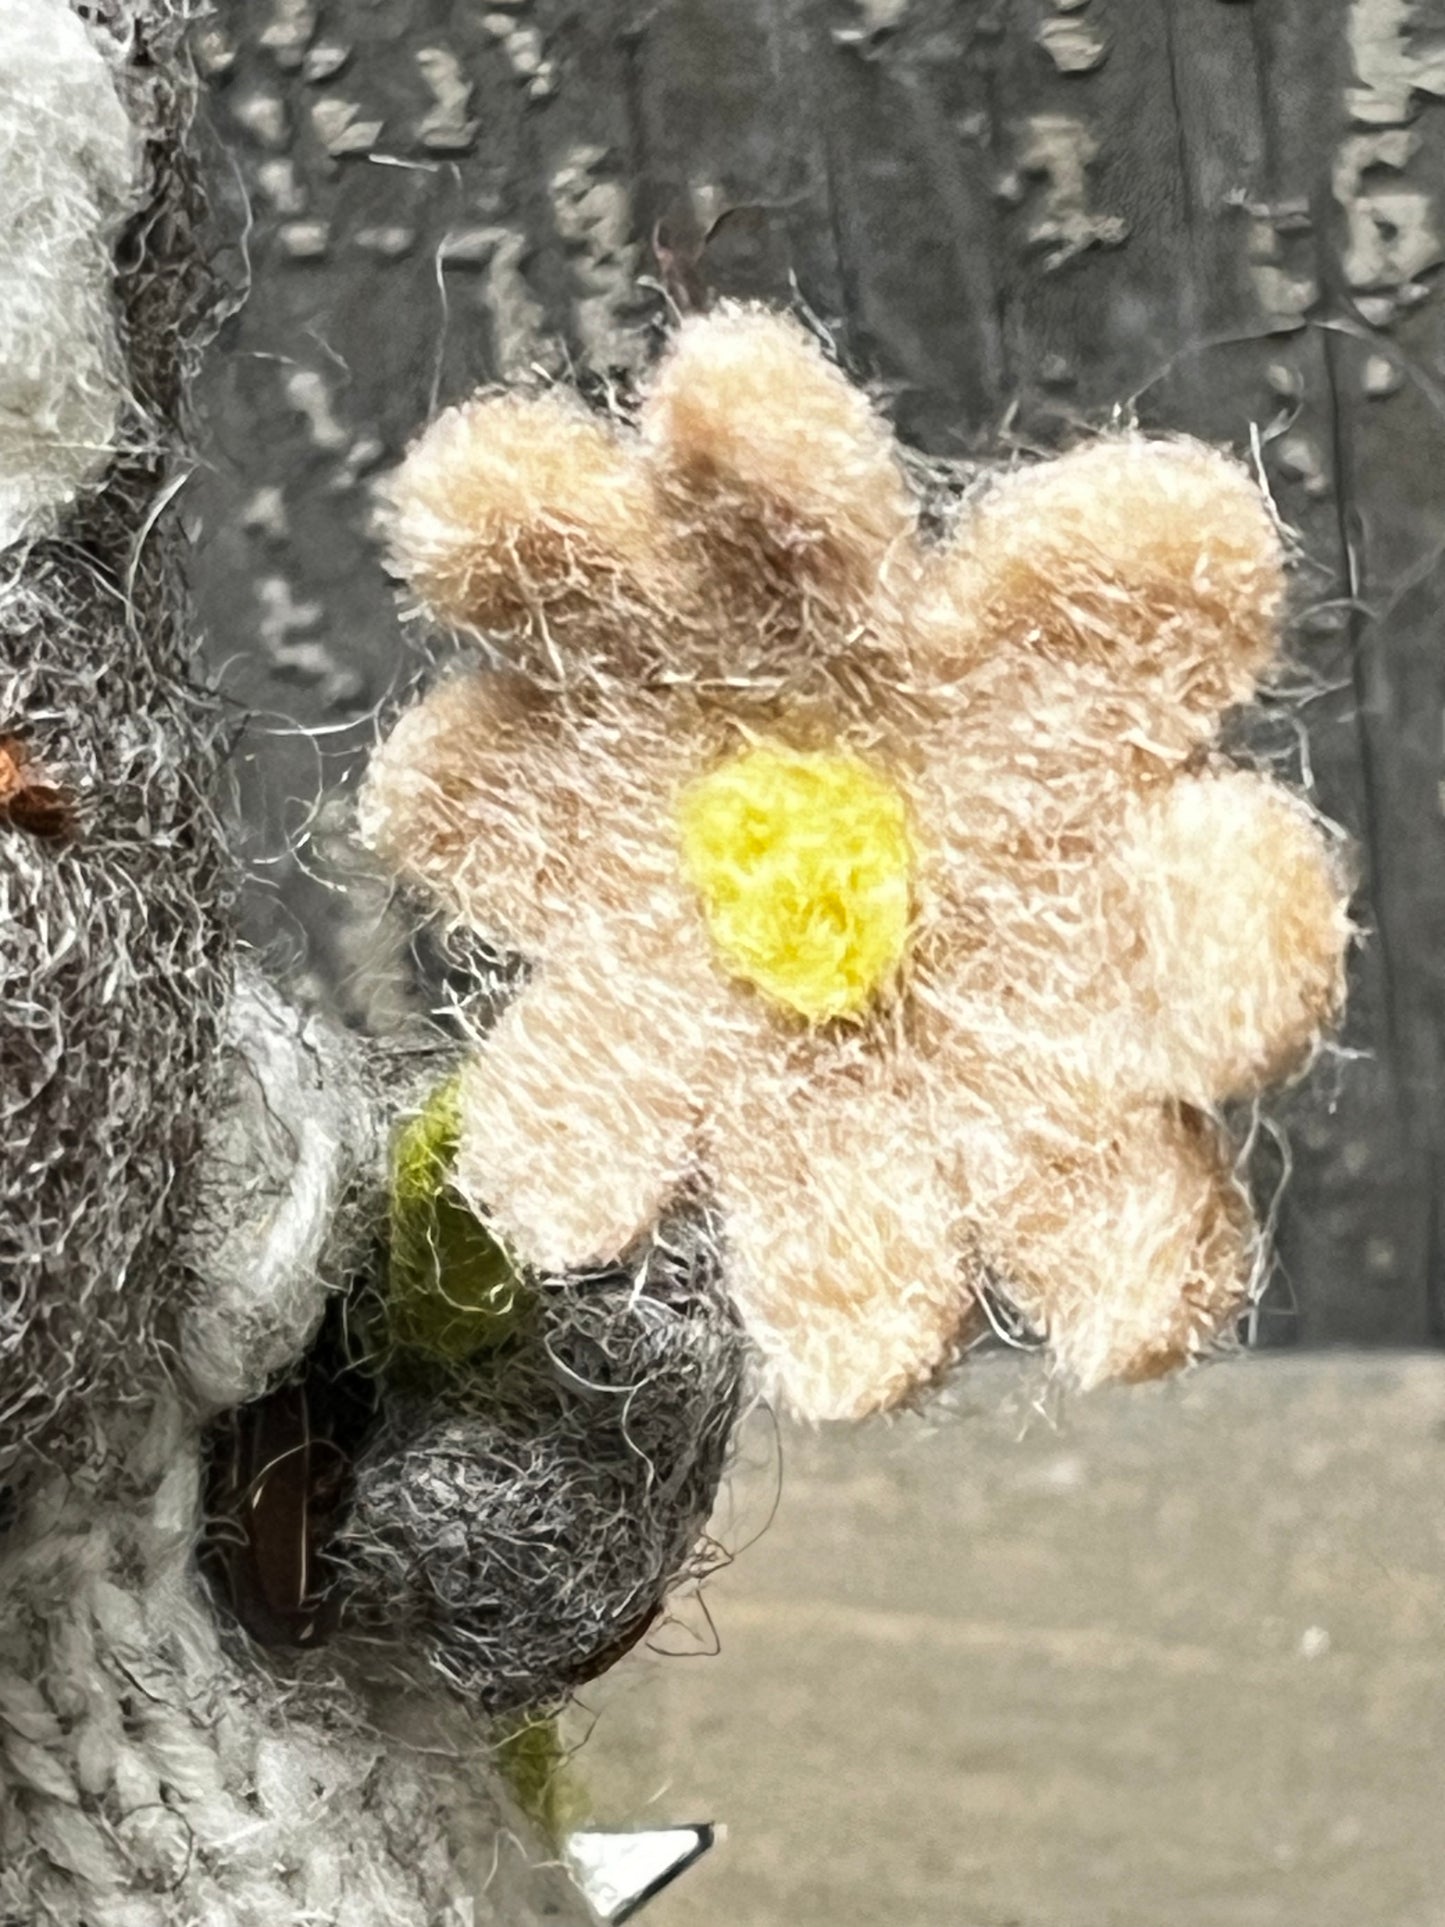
(28, 801)
(271, 1479)
(279, 1471)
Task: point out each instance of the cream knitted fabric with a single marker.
(150, 1778)
(297, 1133)
(68, 159)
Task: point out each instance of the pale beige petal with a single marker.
(843, 1249)
(476, 796)
(1020, 996)
(1148, 574)
(1131, 1254)
(531, 520)
(1189, 944)
(579, 1111)
(1239, 905)
(785, 481)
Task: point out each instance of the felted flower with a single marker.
(890, 891)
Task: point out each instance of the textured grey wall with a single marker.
(1016, 215)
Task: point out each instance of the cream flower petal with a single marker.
(842, 1239)
(1147, 572)
(527, 519)
(1130, 1254)
(580, 1109)
(765, 444)
(786, 487)
(476, 795)
(762, 506)
(1239, 905)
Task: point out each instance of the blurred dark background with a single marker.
(1016, 217)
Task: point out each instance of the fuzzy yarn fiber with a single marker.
(68, 175)
(114, 958)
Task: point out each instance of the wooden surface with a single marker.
(1016, 216)
(1168, 1659)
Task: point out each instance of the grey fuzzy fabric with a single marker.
(148, 1777)
(114, 961)
(517, 1528)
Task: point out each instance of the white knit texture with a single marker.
(68, 164)
(148, 1778)
(299, 1130)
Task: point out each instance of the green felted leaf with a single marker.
(533, 1760)
(453, 1291)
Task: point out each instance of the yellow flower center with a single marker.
(803, 863)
